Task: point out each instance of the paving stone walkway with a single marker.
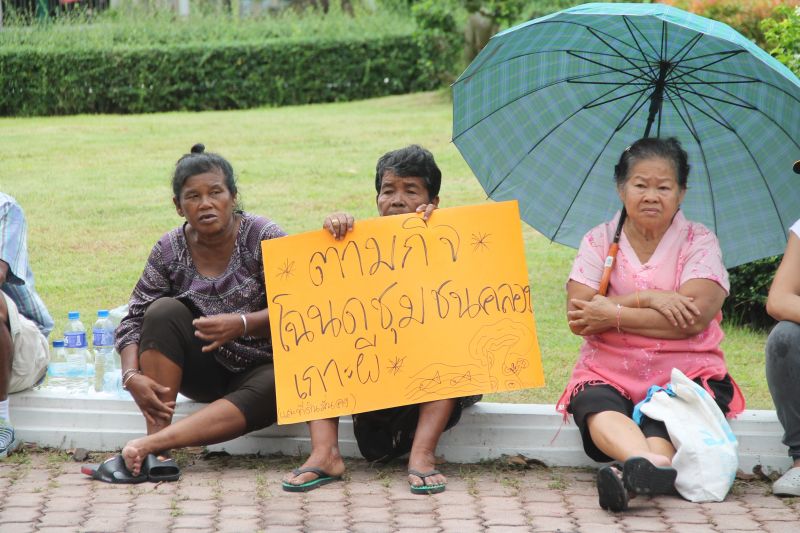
(44, 491)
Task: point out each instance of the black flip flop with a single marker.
(611, 491)
(158, 469)
(113, 470)
(643, 477)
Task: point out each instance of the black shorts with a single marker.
(599, 398)
(385, 434)
(167, 328)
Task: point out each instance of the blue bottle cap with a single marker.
(73, 315)
(58, 343)
(102, 313)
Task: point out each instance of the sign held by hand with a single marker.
(401, 311)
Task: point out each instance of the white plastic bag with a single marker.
(707, 457)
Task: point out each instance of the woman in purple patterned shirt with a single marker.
(197, 324)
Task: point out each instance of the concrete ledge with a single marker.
(486, 431)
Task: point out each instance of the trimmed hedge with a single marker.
(212, 76)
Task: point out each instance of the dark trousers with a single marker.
(783, 378)
(168, 329)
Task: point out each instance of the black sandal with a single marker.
(113, 470)
(611, 491)
(640, 476)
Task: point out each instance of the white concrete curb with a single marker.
(486, 431)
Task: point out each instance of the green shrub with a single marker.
(505, 13)
(747, 302)
(440, 39)
(140, 24)
(782, 33)
(744, 17)
(211, 76)
(139, 58)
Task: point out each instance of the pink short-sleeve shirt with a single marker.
(632, 363)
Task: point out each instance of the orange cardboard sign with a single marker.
(401, 311)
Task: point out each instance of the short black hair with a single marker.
(198, 161)
(411, 161)
(648, 148)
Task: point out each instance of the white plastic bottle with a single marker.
(106, 371)
(77, 354)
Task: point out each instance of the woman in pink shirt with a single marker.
(662, 311)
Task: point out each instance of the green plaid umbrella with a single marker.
(543, 112)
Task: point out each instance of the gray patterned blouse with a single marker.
(171, 272)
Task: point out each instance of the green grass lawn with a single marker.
(97, 195)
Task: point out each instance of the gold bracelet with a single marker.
(244, 321)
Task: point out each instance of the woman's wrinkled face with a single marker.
(400, 195)
(206, 203)
(651, 193)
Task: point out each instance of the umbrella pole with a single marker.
(612, 255)
(657, 98)
(656, 101)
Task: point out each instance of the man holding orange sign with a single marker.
(407, 181)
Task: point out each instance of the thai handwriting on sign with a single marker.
(395, 309)
(362, 371)
(352, 320)
(372, 256)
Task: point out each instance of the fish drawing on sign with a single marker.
(439, 380)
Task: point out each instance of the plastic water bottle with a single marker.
(58, 354)
(65, 371)
(106, 370)
(58, 368)
(77, 355)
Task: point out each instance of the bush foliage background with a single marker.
(137, 60)
(136, 79)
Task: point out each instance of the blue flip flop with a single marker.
(323, 478)
(426, 489)
(113, 470)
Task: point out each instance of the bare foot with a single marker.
(134, 454)
(424, 461)
(329, 461)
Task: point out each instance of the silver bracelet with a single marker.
(244, 321)
(129, 376)
(130, 370)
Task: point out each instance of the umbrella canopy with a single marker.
(544, 111)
